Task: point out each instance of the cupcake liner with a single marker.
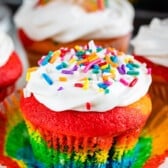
(68, 151)
(5, 91)
(36, 49)
(159, 89)
(157, 127)
(53, 149)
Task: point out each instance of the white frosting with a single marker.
(152, 41)
(71, 97)
(6, 48)
(64, 21)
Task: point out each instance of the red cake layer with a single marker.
(11, 71)
(112, 122)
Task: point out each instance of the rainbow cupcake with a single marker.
(82, 108)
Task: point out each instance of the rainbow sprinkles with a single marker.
(86, 68)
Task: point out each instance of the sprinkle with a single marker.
(91, 64)
(104, 66)
(82, 61)
(72, 60)
(75, 68)
(68, 72)
(109, 61)
(129, 66)
(80, 53)
(101, 90)
(92, 57)
(46, 59)
(86, 84)
(60, 66)
(99, 49)
(29, 71)
(88, 106)
(149, 71)
(28, 74)
(106, 91)
(95, 71)
(47, 78)
(62, 79)
(78, 85)
(135, 65)
(124, 82)
(32, 69)
(60, 88)
(92, 46)
(105, 77)
(102, 85)
(54, 56)
(108, 83)
(133, 73)
(114, 59)
(65, 65)
(78, 48)
(134, 81)
(40, 61)
(121, 70)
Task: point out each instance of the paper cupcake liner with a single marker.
(37, 49)
(157, 126)
(53, 149)
(5, 91)
(159, 89)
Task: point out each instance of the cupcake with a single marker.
(48, 25)
(150, 46)
(10, 66)
(85, 107)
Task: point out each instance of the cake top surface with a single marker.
(6, 48)
(66, 21)
(151, 41)
(87, 78)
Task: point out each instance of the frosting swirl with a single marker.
(88, 78)
(151, 42)
(64, 21)
(6, 48)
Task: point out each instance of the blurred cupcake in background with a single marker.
(10, 66)
(150, 46)
(44, 26)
